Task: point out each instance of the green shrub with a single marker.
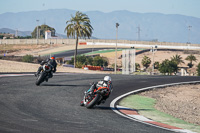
(1, 36)
(156, 65)
(27, 58)
(168, 66)
(137, 66)
(71, 61)
(89, 60)
(198, 69)
(98, 61)
(79, 64)
(83, 60)
(79, 59)
(146, 61)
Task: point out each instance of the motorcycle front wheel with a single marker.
(94, 101)
(40, 79)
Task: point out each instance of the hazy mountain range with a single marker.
(153, 26)
(11, 31)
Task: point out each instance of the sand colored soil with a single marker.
(179, 101)
(35, 50)
(13, 66)
(159, 56)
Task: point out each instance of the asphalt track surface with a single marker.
(79, 51)
(54, 107)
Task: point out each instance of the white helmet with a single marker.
(107, 78)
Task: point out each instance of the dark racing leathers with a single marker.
(101, 84)
(95, 86)
(52, 63)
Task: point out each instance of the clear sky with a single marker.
(183, 7)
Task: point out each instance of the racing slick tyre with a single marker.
(94, 101)
(40, 79)
(82, 103)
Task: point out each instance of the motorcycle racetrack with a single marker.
(53, 107)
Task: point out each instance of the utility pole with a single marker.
(117, 24)
(138, 31)
(189, 28)
(153, 50)
(37, 30)
(16, 33)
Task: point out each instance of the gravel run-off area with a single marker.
(179, 101)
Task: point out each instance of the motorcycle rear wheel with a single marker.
(93, 102)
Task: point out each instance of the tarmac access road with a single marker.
(54, 107)
(79, 51)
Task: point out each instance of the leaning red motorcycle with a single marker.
(96, 98)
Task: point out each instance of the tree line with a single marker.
(169, 66)
(82, 60)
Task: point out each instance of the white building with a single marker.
(48, 35)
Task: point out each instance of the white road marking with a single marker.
(142, 119)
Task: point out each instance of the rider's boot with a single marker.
(82, 103)
(36, 74)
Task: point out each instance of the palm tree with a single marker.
(191, 58)
(177, 59)
(168, 66)
(78, 27)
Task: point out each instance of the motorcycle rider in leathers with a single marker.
(50, 61)
(102, 83)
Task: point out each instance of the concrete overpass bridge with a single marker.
(101, 42)
(144, 44)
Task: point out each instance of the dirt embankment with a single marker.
(180, 101)
(16, 67)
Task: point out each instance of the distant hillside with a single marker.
(20, 33)
(154, 26)
(23, 33)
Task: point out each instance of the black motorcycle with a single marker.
(44, 75)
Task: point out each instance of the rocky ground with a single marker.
(180, 101)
